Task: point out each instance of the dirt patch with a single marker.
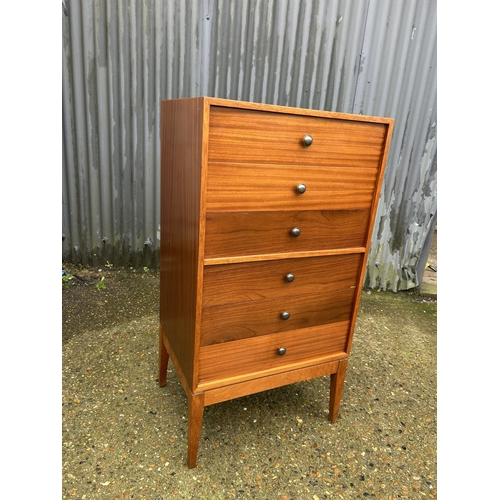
(105, 297)
(125, 437)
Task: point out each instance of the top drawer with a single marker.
(240, 135)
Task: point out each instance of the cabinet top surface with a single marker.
(230, 103)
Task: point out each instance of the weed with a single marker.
(101, 285)
(66, 280)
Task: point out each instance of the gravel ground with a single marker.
(123, 437)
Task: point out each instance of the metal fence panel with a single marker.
(120, 59)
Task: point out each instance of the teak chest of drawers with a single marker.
(266, 218)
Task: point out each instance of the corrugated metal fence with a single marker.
(120, 59)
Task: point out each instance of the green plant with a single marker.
(108, 264)
(101, 285)
(145, 269)
(66, 280)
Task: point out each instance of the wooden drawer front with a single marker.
(233, 283)
(260, 354)
(254, 233)
(260, 317)
(264, 137)
(233, 187)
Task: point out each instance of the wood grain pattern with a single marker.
(196, 407)
(261, 317)
(386, 142)
(250, 186)
(243, 135)
(180, 373)
(336, 388)
(231, 283)
(241, 360)
(255, 233)
(267, 382)
(263, 257)
(181, 148)
(291, 110)
(229, 173)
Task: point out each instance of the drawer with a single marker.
(249, 186)
(254, 357)
(233, 283)
(235, 321)
(238, 135)
(254, 233)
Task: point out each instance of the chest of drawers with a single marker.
(266, 218)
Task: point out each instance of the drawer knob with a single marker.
(281, 351)
(301, 188)
(295, 232)
(307, 140)
(285, 315)
(289, 277)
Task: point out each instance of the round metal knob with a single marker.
(295, 232)
(285, 315)
(301, 188)
(289, 277)
(307, 140)
(281, 351)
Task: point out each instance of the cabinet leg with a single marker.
(162, 362)
(196, 406)
(336, 386)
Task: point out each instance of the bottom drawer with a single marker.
(232, 362)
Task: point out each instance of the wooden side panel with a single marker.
(243, 135)
(181, 161)
(231, 283)
(253, 233)
(251, 186)
(233, 362)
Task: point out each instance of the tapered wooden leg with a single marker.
(196, 406)
(162, 362)
(336, 386)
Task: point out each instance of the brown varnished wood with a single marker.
(290, 110)
(172, 358)
(162, 361)
(232, 283)
(181, 150)
(229, 172)
(248, 136)
(269, 382)
(201, 247)
(373, 212)
(336, 387)
(249, 358)
(253, 233)
(239, 259)
(196, 406)
(250, 186)
(253, 318)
